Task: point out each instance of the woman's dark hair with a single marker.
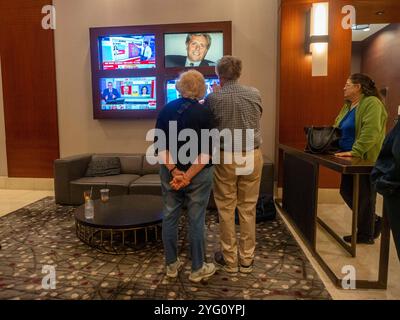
(368, 87)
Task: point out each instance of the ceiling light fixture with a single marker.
(360, 27)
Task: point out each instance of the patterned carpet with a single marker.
(43, 233)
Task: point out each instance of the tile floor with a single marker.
(11, 200)
(336, 215)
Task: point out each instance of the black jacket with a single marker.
(187, 114)
(179, 61)
(386, 174)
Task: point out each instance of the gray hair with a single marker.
(229, 68)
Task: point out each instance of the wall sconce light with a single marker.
(317, 37)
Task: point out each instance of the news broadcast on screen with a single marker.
(128, 52)
(135, 68)
(128, 93)
(194, 49)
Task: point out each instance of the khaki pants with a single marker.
(230, 191)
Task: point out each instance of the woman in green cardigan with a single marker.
(362, 121)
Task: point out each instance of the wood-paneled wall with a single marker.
(305, 100)
(381, 60)
(29, 89)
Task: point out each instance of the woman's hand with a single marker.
(179, 182)
(177, 172)
(344, 154)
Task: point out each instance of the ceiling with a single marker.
(360, 35)
(367, 11)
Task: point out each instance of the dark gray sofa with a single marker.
(137, 177)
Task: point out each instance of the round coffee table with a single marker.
(121, 225)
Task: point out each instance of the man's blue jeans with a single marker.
(197, 195)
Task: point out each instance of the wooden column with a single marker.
(29, 89)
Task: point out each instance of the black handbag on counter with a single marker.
(322, 140)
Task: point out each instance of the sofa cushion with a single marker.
(150, 168)
(147, 184)
(117, 180)
(103, 166)
(131, 164)
(148, 179)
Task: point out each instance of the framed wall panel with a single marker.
(29, 89)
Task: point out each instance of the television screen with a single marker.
(137, 93)
(127, 52)
(193, 49)
(173, 94)
(135, 68)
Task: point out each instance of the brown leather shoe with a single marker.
(246, 269)
(221, 263)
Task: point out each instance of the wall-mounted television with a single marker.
(128, 93)
(127, 52)
(195, 49)
(132, 73)
(172, 93)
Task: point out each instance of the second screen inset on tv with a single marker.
(193, 49)
(172, 93)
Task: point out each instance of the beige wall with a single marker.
(255, 28)
(3, 155)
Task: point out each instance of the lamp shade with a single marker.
(319, 19)
(319, 29)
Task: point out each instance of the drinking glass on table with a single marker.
(87, 195)
(105, 195)
(89, 205)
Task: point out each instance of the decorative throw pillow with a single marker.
(103, 166)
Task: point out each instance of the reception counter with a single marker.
(299, 204)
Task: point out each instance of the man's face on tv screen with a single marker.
(197, 48)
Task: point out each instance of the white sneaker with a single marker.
(205, 272)
(173, 268)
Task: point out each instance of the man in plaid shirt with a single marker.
(236, 107)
